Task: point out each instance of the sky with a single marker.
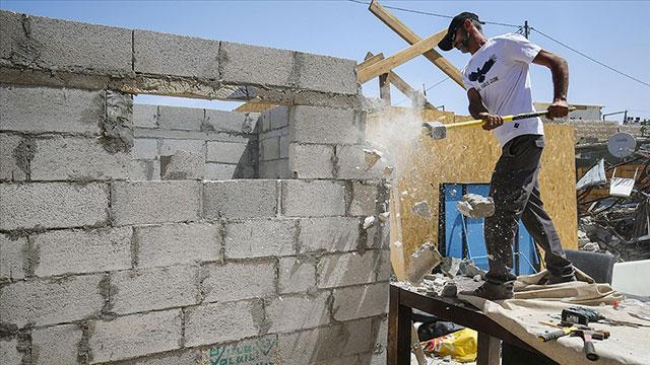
(615, 33)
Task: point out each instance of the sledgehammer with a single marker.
(437, 130)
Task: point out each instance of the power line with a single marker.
(421, 12)
(590, 58)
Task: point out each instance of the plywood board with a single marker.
(469, 156)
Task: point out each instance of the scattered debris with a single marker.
(371, 157)
(384, 216)
(423, 261)
(450, 290)
(369, 222)
(388, 171)
(477, 278)
(476, 206)
(450, 266)
(467, 268)
(421, 209)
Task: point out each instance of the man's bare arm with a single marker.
(478, 111)
(560, 72)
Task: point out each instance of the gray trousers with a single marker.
(515, 190)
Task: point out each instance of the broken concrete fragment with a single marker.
(423, 261)
(477, 278)
(369, 222)
(450, 290)
(384, 216)
(467, 268)
(422, 209)
(476, 206)
(388, 170)
(371, 157)
(450, 266)
(182, 165)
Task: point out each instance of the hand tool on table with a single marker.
(584, 316)
(577, 330)
(437, 130)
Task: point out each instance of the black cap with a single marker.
(445, 43)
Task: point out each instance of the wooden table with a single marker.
(403, 299)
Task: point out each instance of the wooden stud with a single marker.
(384, 88)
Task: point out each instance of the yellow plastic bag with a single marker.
(461, 345)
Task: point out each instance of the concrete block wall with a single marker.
(100, 263)
(225, 141)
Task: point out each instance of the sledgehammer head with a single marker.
(435, 130)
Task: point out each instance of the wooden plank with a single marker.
(408, 35)
(399, 58)
(384, 88)
(254, 107)
(407, 90)
(370, 60)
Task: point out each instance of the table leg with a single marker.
(399, 331)
(489, 350)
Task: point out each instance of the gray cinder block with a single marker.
(327, 74)
(296, 274)
(364, 199)
(360, 301)
(240, 199)
(171, 244)
(135, 335)
(226, 152)
(290, 313)
(260, 238)
(224, 121)
(311, 161)
(182, 165)
(53, 205)
(155, 202)
(304, 198)
(12, 258)
(328, 234)
(244, 64)
(221, 322)
(352, 164)
(57, 345)
(180, 118)
(15, 155)
(167, 54)
(349, 269)
(313, 124)
(238, 280)
(145, 116)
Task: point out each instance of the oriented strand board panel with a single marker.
(469, 156)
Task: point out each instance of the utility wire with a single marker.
(590, 58)
(414, 11)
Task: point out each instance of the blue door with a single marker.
(463, 236)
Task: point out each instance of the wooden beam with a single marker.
(407, 54)
(384, 88)
(369, 60)
(407, 90)
(408, 35)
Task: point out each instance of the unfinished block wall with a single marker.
(101, 263)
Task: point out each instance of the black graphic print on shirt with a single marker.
(481, 72)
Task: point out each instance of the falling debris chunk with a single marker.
(450, 266)
(388, 170)
(423, 261)
(369, 222)
(467, 268)
(476, 206)
(384, 216)
(422, 209)
(372, 156)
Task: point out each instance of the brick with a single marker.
(348, 269)
(220, 171)
(225, 152)
(71, 158)
(182, 166)
(145, 149)
(260, 238)
(173, 117)
(155, 202)
(327, 74)
(13, 256)
(64, 45)
(135, 335)
(296, 275)
(311, 124)
(40, 109)
(171, 146)
(240, 63)
(277, 169)
(352, 164)
(14, 157)
(143, 290)
(240, 199)
(322, 343)
(311, 161)
(77, 252)
(52, 205)
(364, 199)
(9, 352)
(220, 120)
(220, 322)
(238, 280)
(360, 301)
(145, 116)
(46, 302)
(57, 345)
(312, 198)
(171, 244)
(167, 54)
(328, 234)
(270, 148)
(290, 313)
(181, 357)
(284, 146)
(144, 170)
(275, 118)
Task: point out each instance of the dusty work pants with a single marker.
(515, 190)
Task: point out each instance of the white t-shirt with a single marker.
(499, 72)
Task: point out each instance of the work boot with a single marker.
(492, 291)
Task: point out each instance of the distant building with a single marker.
(582, 112)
